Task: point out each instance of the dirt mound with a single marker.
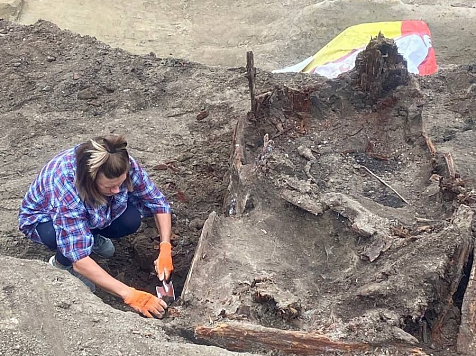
(47, 312)
(280, 32)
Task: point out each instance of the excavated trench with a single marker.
(343, 227)
(265, 310)
(330, 231)
(368, 256)
(362, 260)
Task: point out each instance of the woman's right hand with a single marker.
(146, 303)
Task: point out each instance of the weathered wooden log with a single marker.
(380, 68)
(251, 75)
(466, 342)
(252, 338)
(247, 337)
(462, 222)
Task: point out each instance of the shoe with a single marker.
(103, 247)
(52, 261)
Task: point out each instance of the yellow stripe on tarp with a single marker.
(352, 38)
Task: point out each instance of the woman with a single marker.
(83, 197)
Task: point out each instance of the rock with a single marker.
(87, 94)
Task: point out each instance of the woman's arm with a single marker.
(88, 268)
(143, 302)
(164, 226)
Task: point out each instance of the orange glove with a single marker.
(145, 303)
(163, 264)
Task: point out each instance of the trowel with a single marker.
(165, 291)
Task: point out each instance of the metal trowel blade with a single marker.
(165, 290)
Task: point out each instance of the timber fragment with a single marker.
(380, 68)
(362, 221)
(199, 253)
(247, 337)
(466, 342)
(241, 173)
(461, 223)
(303, 201)
(251, 75)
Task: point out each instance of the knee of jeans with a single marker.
(62, 260)
(108, 250)
(133, 225)
(47, 235)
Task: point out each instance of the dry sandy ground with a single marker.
(280, 32)
(74, 322)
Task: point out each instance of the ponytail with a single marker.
(105, 155)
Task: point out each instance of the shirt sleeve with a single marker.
(146, 197)
(73, 237)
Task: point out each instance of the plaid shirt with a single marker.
(53, 197)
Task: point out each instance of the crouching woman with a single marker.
(86, 196)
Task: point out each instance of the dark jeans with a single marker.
(127, 223)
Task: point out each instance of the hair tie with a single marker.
(99, 155)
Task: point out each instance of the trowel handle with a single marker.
(167, 281)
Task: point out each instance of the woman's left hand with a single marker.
(163, 264)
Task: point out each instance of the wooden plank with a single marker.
(247, 337)
(459, 260)
(251, 75)
(462, 221)
(207, 229)
(466, 343)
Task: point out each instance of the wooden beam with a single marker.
(251, 75)
(459, 260)
(206, 230)
(247, 337)
(466, 342)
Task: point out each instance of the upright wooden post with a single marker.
(251, 75)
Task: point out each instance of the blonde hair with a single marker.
(105, 154)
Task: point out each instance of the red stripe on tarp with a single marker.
(429, 65)
(415, 26)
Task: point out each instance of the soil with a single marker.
(81, 88)
(279, 32)
(60, 88)
(328, 247)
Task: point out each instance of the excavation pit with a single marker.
(347, 218)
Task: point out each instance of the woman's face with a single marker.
(109, 187)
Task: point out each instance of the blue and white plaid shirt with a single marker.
(53, 197)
